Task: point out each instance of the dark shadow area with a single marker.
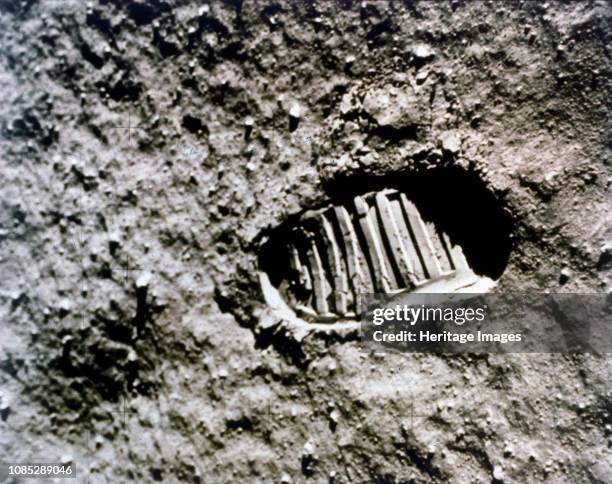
(194, 125)
(459, 204)
(397, 135)
(457, 201)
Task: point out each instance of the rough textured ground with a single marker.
(129, 260)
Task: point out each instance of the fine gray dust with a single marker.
(148, 148)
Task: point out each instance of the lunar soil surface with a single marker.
(150, 149)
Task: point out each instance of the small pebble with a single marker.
(295, 111)
(565, 275)
(114, 237)
(4, 402)
(65, 304)
(66, 459)
(143, 280)
(308, 449)
(450, 142)
(423, 52)
(334, 416)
